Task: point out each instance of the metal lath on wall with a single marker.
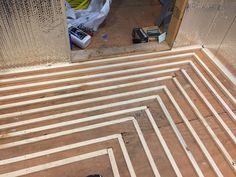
(212, 23)
(32, 32)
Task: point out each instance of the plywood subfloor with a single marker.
(154, 114)
(124, 15)
(114, 36)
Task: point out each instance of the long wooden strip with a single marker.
(74, 94)
(58, 149)
(57, 116)
(63, 133)
(195, 135)
(130, 63)
(43, 83)
(63, 65)
(72, 122)
(180, 138)
(214, 77)
(113, 163)
(118, 137)
(215, 94)
(58, 164)
(145, 147)
(163, 143)
(72, 86)
(90, 127)
(220, 66)
(211, 108)
(220, 146)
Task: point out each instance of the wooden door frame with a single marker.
(178, 13)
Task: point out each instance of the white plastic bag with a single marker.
(91, 17)
(69, 11)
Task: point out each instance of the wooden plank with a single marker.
(176, 20)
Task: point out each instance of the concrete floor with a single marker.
(119, 117)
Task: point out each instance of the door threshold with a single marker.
(94, 54)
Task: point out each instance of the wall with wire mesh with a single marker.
(212, 24)
(32, 32)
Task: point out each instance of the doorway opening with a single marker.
(114, 36)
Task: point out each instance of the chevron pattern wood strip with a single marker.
(155, 114)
